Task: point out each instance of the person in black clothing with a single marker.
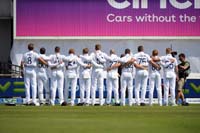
(183, 72)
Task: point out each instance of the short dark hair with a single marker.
(57, 49)
(30, 46)
(85, 51)
(71, 51)
(140, 48)
(181, 55)
(97, 47)
(127, 51)
(42, 51)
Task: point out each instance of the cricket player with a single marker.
(29, 63)
(155, 80)
(112, 77)
(170, 69)
(43, 78)
(57, 75)
(127, 77)
(85, 77)
(71, 63)
(98, 58)
(141, 76)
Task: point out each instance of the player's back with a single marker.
(30, 59)
(168, 66)
(153, 69)
(99, 58)
(127, 68)
(86, 59)
(42, 68)
(55, 59)
(113, 60)
(142, 59)
(71, 63)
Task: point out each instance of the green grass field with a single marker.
(59, 119)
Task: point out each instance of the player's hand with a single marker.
(177, 78)
(89, 66)
(172, 60)
(60, 62)
(109, 69)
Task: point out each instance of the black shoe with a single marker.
(142, 104)
(185, 104)
(26, 104)
(117, 104)
(47, 104)
(41, 104)
(108, 104)
(32, 104)
(80, 104)
(64, 104)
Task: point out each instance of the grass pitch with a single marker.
(111, 119)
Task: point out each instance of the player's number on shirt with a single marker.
(88, 63)
(98, 62)
(71, 63)
(142, 60)
(153, 68)
(29, 59)
(129, 66)
(40, 65)
(170, 66)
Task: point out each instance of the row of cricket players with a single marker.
(91, 76)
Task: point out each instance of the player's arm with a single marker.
(96, 65)
(114, 66)
(154, 64)
(155, 59)
(100, 58)
(107, 58)
(176, 70)
(83, 64)
(138, 66)
(52, 65)
(22, 64)
(185, 67)
(61, 64)
(40, 59)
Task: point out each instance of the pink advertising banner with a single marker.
(107, 18)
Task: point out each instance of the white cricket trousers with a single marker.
(43, 83)
(141, 78)
(85, 84)
(126, 82)
(57, 82)
(169, 83)
(30, 83)
(97, 81)
(155, 81)
(70, 82)
(112, 84)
